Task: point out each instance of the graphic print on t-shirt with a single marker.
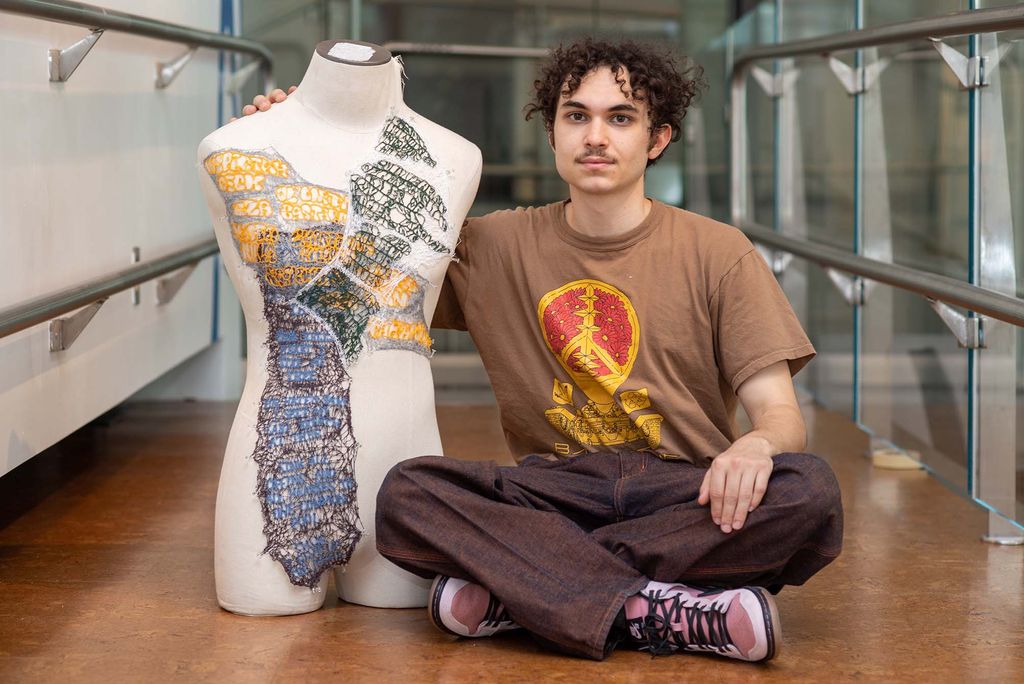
(592, 329)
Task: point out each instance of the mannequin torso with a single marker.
(336, 213)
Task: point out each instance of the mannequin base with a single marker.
(247, 612)
(272, 599)
(371, 580)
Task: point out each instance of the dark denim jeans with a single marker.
(562, 544)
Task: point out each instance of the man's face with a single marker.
(602, 138)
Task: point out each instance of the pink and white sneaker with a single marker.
(736, 623)
(466, 609)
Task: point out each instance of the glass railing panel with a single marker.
(878, 12)
(756, 27)
(706, 137)
(914, 388)
(999, 455)
(799, 19)
(924, 122)
(815, 201)
(1011, 70)
(821, 184)
(1018, 413)
(706, 128)
(914, 378)
(829, 323)
(816, 195)
(814, 191)
(291, 29)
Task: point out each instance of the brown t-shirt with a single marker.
(637, 342)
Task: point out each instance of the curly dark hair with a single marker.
(654, 75)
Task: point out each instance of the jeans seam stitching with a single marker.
(615, 501)
(404, 554)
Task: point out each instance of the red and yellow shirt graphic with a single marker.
(592, 329)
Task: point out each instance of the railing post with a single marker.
(738, 171)
(873, 239)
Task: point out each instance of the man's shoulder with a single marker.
(510, 218)
(508, 224)
(708, 236)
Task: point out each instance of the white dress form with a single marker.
(336, 213)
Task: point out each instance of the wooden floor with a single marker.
(106, 575)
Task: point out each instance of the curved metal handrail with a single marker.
(942, 26)
(457, 50)
(96, 18)
(48, 307)
(943, 288)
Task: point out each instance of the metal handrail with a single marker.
(957, 24)
(95, 18)
(978, 299)
(48, 307)
(466, 50)
(943, 26)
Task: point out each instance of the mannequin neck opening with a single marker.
(348, 94)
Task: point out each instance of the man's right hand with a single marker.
(262, 103)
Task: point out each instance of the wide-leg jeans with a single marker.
(563, 543)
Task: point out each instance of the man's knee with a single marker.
(813, 477)
(405, 479)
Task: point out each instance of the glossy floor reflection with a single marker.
(106, 574)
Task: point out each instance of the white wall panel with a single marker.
(92, 168)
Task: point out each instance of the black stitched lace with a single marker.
(706, 626)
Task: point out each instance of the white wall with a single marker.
(92, 168)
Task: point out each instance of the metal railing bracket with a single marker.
(970, 71)
(99, 19)
(166, 72)
(778, 260)
(850, 287)
(968, 330)
(857, 80)
(775, 85)
(62, 63)
(137, 290)
(853, 288)
(66, 329)
(168, 286)
(234, 83)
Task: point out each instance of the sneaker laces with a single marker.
(706, 625)
(496, 614)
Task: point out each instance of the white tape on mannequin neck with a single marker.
(351, 52)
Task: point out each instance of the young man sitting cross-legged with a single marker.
(619, 335)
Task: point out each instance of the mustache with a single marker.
(593, 152)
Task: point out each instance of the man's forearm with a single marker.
(778, 430)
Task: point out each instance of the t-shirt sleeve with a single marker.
(754, 325)
(450, 311)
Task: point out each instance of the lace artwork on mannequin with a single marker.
(335, 283)
(399, 139)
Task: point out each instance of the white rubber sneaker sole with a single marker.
(439, 609)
